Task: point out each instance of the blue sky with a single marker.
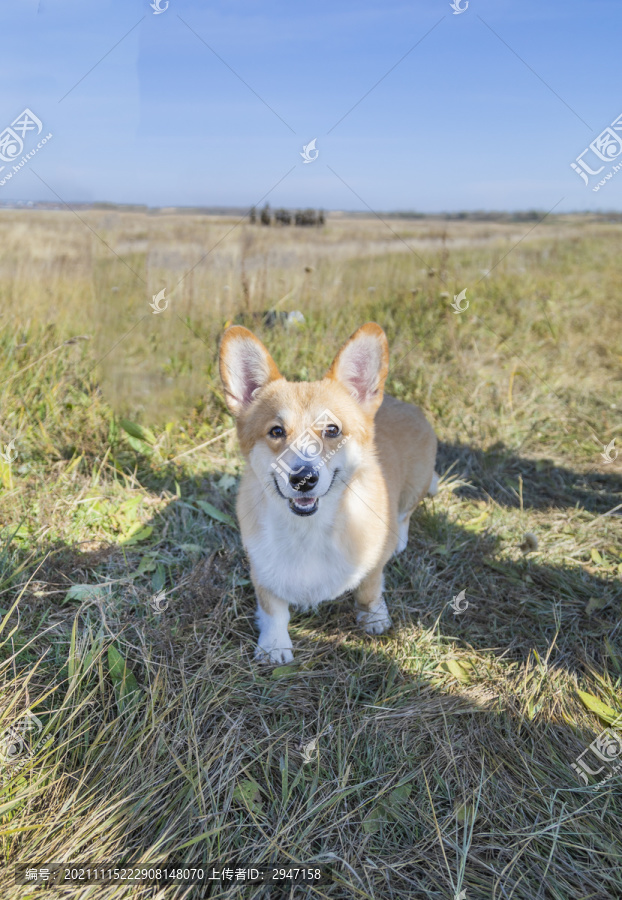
(172, 114)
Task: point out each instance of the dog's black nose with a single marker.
(304, 480)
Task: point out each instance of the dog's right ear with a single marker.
(245, 367)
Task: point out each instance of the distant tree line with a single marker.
(285, 217)
(530, 215)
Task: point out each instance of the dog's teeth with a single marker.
(304, 504)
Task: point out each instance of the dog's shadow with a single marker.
(517, 600)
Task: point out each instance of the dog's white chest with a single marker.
(303, 565)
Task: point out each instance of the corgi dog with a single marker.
(334, 472)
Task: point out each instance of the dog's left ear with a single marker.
(362, 365)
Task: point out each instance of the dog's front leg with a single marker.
(371, 610)
(274, 644)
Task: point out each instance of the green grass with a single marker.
(443, 749)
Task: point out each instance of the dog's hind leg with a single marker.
(403, 522)
(371, 610)
(433, 489)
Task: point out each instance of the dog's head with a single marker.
(305, 440)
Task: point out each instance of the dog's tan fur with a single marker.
(368, 485)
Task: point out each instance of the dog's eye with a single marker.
(332, 431)
(277, 432)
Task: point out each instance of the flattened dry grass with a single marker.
(442, 751)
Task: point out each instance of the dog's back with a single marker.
(406, 447)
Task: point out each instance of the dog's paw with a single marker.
(277, 656)
(268, 651)
(376, 620)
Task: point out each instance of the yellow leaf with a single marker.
(597, 706)
(478, 520)
(138, 533)
(284, 670)
(456, 669)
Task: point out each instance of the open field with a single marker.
(445, 748)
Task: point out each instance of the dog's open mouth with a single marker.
(304, 506)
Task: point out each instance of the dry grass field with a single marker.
(139, 730)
